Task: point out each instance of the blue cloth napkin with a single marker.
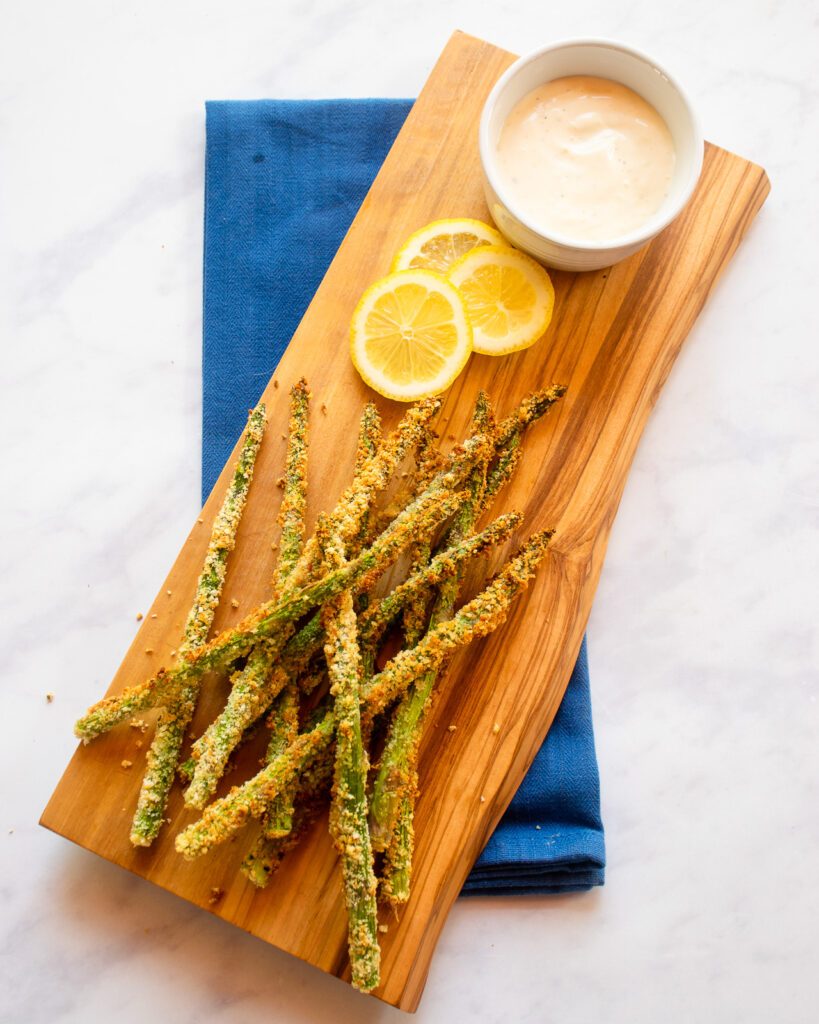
(283, 181)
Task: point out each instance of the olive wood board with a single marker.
(613, 340)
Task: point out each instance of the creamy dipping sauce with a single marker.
(586, 158)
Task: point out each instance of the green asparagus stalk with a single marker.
(396, 877)
(284, 728)
(429, 462)
(294, 496)
(348, 807)
(480, 616)
(174, 719)
(266, 854)
(510, 436)
(370, 439)
(284, 719)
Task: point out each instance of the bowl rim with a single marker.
(652, 226)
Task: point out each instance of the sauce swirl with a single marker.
(586, 157)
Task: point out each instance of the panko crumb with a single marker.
(451, 728)
(139, 616)
(483, 799)
(384, 928)
(496, 728)
(139, 723)
(169, 593)
(149, 650)
(234, 603)
(537, 828)
(49, 697)
(126, 764)
(215, 894)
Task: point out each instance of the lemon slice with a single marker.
(410, 336)
(438, 245)
(508, 296)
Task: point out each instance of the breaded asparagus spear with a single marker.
(284, 728)
(478, 617)
(370, 439)
(429, 462)
(348, 807)
(163, 755)
(510, 435)
(284, 719)
(294, 495)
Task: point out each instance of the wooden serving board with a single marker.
(613, 340)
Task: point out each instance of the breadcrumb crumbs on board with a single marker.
(215, 894)
(234, 603)
(139, 616)
(496, 728)
(169, 593)
(126, 764)
(451, 728)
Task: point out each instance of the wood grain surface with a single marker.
(613, 341)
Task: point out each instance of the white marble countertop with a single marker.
(703, 643)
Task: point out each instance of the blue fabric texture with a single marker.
(283, 181)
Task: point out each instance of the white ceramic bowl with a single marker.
(606, 60)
